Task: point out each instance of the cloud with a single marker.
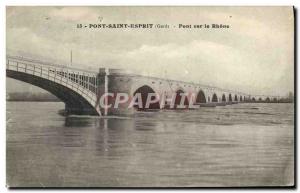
(251, 56)
(74, 14)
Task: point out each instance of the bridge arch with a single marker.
(235, 98)
(144, 91)
(230, 98)
(223, 98)
(74, 101)
(178, 97)
(268, 99)
(201, 97)
(214, 98)
(241, 98)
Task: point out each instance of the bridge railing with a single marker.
(72, 80)
(86, 78)
(34, 61)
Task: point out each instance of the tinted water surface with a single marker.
(237, 145)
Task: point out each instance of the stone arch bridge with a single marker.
(81, 90)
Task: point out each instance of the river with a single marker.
(236, 145)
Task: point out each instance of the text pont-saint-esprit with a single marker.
(151, 26)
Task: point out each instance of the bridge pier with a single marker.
(74, 110)
(111, 83)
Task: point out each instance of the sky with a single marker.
(254, 55)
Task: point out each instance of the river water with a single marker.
(237, 145)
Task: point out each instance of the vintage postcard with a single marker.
(150, 96)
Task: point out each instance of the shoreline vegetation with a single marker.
(48, 97)
(29, 96)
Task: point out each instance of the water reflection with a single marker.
(74, 121)
(226, 146)
(102, 137)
